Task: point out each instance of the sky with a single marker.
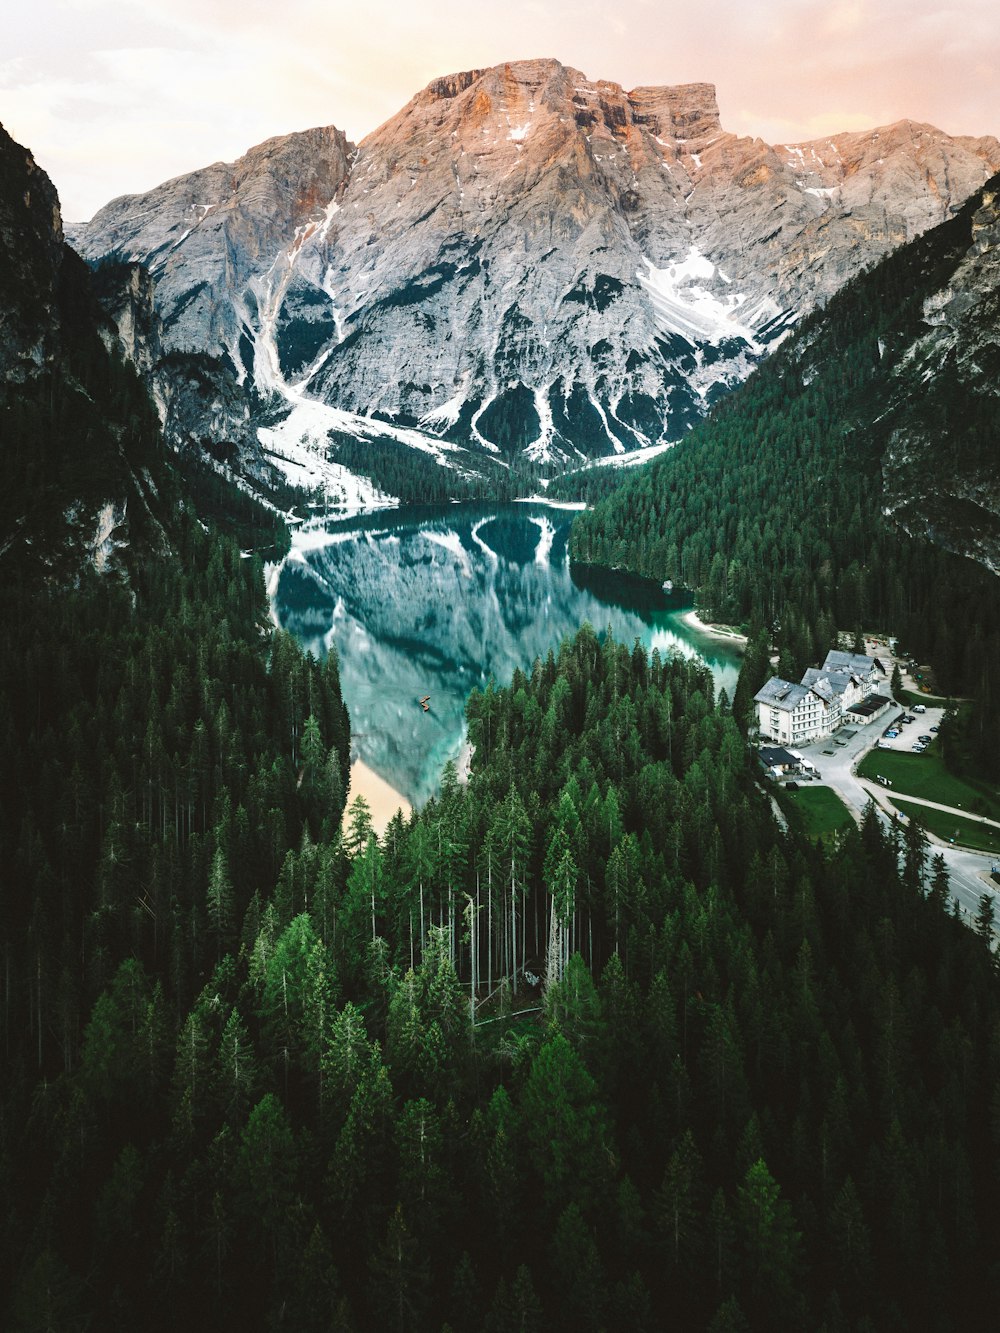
(115, 96)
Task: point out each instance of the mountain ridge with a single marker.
(521, 261)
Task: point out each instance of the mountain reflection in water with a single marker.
(434, 601)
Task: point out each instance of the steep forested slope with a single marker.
(160, 748)
(786, 507)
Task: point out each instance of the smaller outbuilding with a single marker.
(872, 708)
(777, 761)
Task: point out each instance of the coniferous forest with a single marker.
(243, 1085)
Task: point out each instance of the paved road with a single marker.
(968, 871)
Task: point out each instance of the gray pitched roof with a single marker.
(826, 683)
(783, 694)
(856, 662)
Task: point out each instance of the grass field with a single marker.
(925, 775)
(818, 812)
(952, 828)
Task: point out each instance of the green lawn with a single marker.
(964, 832)
(925, 775)
(818, 812)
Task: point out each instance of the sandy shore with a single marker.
(383, 800)
(717, 631)
(463, 764)
(578, 505)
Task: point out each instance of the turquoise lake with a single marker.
(435, 600)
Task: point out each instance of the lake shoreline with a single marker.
(716, 631)
(424, 603)
(578, 506)
(383, 799)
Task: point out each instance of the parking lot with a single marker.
(908, 733)
(831, 758)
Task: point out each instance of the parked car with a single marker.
(891, 734)
(926, 739)
(909, 718)
(918, 748)
(935, 728)
(919, 708)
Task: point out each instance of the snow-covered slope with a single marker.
(521, 260)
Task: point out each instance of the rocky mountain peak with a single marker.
(521, 259)
(685, 112)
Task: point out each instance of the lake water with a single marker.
(433, 601)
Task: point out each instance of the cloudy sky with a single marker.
(118, 95)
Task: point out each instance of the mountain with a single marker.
(521, 261)
(941, 465)
(81, 449)
(31, 254)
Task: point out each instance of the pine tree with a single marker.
(564, 1124)
(219, 902)
(985, 918)
(770, 1242)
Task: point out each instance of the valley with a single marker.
(302, 497)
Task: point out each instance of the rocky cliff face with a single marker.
(78, 437)
(31, 248)
(221, 245)
(522, 260)
(126, 293)
(942, 462)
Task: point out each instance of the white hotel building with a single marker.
(790, 714)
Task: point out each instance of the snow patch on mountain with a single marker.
(683, 303)
(297, 448)
(448, 412)
(629, 459)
